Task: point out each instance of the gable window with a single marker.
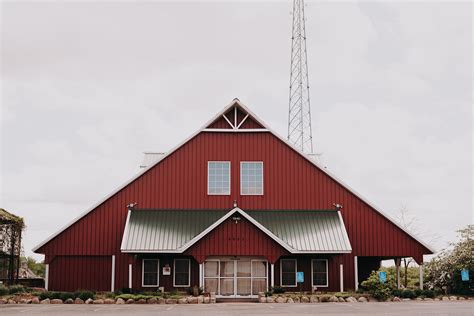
(320, 272)
(218, 178)
(251, 178)
(288, 272)
(181, 275)
(150, 272)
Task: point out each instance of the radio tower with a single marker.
(299, 115)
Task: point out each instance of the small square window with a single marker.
(251, 178)
(218, 178)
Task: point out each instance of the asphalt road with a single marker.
(242, 309)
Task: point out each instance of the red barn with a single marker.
(234, 209)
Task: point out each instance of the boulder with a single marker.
(192, 300)
(304, 299)
(69, 301)
(152, 300)
(453, 298)
(362, 299)
(281, 299)
(427, 299)
(161, 300)
(99, 301)
(141, 301)
(120, 301)
(207, 299)
(182, 300)
(130, 301)
(171, 301)
(270, 299)
(296, 299)
(333, 299)
(89, 301)
(445, 298)
(3, 301)
(25, 301)
(200, 299)
(351, 299)
(419, 299)
(45, 301)
(10, 301)
(262, 299)
(314, 299)
(342, 300)
(290, 300)
(396, 299)
(35, 300)
(461, 298)
(109, 301)
(78, 301)
(406, 299)
(437, 299)
(56, 301)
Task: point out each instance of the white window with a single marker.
(150, 272)
(288, 272)
(319, 269)
(218, 178)
(251, 178)
(182, 273)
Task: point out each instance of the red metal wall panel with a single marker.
(180, 182)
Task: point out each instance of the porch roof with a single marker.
(173, 231)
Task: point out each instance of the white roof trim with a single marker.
(346, 237)
(266, 128)
(126, 230)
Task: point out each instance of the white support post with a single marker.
(201, 279)
(421, 276)
(112, 282)
(397, 265)
(341, 277)
(46, 276)
(356, 274)
(272, 275)
(130, 275)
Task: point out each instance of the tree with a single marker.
(445, 269)
(36, 267)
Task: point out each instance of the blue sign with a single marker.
(299, 277)
(383, 276)
(465, 274)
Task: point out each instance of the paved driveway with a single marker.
(242, 309)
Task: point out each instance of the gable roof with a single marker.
(152, 231)
(264, 128)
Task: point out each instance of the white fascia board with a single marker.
(345, 236)
(126, 231)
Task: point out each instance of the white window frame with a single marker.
(189, 272)
(158, 272)
(263, 177)
(281, 272)
(327, 273)
(230, 178)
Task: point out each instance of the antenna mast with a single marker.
(299, 115)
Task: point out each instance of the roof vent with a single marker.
(150, 158)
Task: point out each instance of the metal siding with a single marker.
(286, 179)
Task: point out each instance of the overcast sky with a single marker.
(87, 87)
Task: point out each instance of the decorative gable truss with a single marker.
(235, 119)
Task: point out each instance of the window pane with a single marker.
(288, 278)
(211, 268)
(181, 278)
(150, 278)
(218, 177)
(210, 285)
(319, 266)
(243, 286)
(259, 269)
(259, 285)
(227, 286)
(243, 269)
(150, 265)
(227, 268)
(181, 266)
(288, 266)
(319, 279)
(251, 178)
(319, 272)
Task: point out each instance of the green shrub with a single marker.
(382, 293)
(397, 292)
(84, 295)
(278, 290)
(407, 293)
(16, 289)
(65, 295)
(268, 293)
(428, 293)
(3, 290)
(417, 292)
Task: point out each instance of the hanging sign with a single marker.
(465, 274)
(382, 276)
(299, 277)
(167, 270)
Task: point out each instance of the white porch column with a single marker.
(421, 276)
(201, 276)
(272, 275)
(130, 275)
(397, 265)
(112, 282)
(341, 277)
(356, 274)
(46, 276)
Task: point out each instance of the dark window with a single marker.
(288, 272)
(320, 273)
(150, 272)
(181, 272)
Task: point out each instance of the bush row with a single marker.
(13, 289)
(83, 295)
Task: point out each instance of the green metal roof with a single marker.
(174, 230)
